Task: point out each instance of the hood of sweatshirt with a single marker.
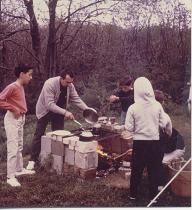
(143, 91)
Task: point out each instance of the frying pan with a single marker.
(90, 115)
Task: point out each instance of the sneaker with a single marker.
(132, 198)
(25, 172)
(13, 182)
(160, 188)
(30, 165)
(155, 201)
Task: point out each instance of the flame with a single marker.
(99, 151)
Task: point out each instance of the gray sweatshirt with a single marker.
(146, 115)
(50, 94)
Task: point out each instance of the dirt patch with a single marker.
(116, 180)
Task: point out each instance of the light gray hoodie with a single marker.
(50, 94)
(146, 115)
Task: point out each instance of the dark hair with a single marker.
(22, 68)
(66, 72)
(159, 95)
(126, 81)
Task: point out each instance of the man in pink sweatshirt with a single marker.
(12, 99)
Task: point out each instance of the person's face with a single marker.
(125, 88)
(66, 81)
(26, 77)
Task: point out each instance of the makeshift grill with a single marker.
(86, 150)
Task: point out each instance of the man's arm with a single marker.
(129, 99)
(75, 99)
(50, 100)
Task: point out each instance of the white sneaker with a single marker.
(25, 172)
(13, 182)
(160, 188)
(30, 165)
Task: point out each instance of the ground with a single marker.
(46, 189)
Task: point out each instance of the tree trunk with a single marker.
(50, 59)
(35, 35)
(0, 12)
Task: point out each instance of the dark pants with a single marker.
(145, 154)
(57, 123)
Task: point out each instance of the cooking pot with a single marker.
(86, 136)
(97, 129)
(90, 115)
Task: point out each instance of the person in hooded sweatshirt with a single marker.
(143, 119)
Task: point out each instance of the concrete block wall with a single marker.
(86, 160)
(70, 156)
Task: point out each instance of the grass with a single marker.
(46, 189)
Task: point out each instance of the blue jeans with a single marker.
(122, 117)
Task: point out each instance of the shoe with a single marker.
(30, 165)
(160, 188)
(13, 182)
(155, 201)
(25, 172)
(132, 198)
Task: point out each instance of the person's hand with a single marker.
(16, 113)
(69, 115)
(113, 98)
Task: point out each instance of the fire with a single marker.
(100, 151)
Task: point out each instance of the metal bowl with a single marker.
(90, 115)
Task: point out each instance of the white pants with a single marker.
(168, 157)
(14, 133)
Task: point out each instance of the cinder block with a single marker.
(58, 163)
(88, 174)
(69, 156)
(86, 160)
(49, 134)
(68, 169)
(77, 171)
(45, 144)
(127, 178)
(57, 148)
(71, 140)
(44, 156)
(85, 147)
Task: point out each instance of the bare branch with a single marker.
(15, 16)
(77, 10)
(9, 34)
(3, 67)
(79, 28)
(9, 40)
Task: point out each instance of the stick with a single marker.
(169, 183)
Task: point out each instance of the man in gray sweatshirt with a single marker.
(52, 107)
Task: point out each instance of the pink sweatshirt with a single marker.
(13, 98)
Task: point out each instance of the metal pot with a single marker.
(97, 129)
(84, 137)
(90, 115)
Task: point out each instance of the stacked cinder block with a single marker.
(86, 159)
(69, 155)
